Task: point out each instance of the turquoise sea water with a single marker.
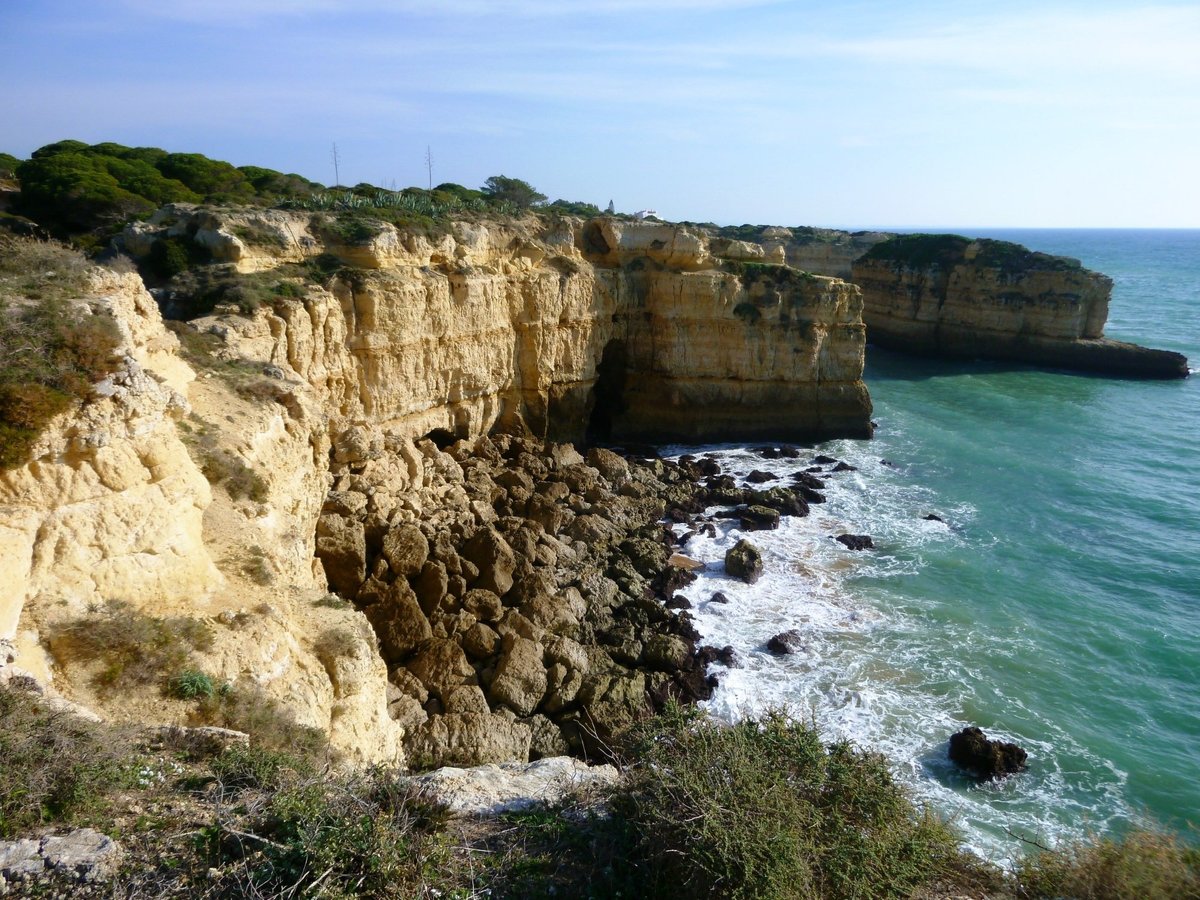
(1059, 604)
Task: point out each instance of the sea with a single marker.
(1057, 602)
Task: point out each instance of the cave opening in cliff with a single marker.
(608, 395)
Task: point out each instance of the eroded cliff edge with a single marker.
(321, 415)
(946, 295)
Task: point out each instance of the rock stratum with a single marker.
(496, 597)
(946, 295)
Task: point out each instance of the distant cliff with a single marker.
(952, 296)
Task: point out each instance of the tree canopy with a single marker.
(501, 188)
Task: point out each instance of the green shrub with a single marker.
(764, 809)
(191, 684)
(239, 768)
(133, 648)
(1147, 864)
(57, 767)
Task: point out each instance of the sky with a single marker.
(845, 113)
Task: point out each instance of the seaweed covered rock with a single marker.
(744, 561)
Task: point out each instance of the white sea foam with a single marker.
(871, 669)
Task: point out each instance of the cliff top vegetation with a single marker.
(920, 251)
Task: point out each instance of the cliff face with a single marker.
(951, 296)
(203, 481)
(623, 329)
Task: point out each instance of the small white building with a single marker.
(645, 213)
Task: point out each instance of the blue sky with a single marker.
(853, 114)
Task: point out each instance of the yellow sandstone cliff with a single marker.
(195, 490)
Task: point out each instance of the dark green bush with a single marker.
(765, 809)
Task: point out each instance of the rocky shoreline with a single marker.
(535, 612)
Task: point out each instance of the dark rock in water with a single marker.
(743, 561)
(678, 601)
(856, 541)
(758, 477)
(845, 467)
(809, 495)
(888, 463)
(675, 514)
(726, 656)
(932, 518)
(758, 518)
(718, 597)
(708, 466)
(768, 452)
(822, 460)
(781, 499)
(789, 452)
(814, 469)
(805, 479)
(786, 642)
(709, 529)
(986, 759)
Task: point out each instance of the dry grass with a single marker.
(51, 349)
(1146, 864)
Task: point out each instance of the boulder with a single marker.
(483, 605)
(758, 518)
(786, 642)
(520, 679)
(856, 541)
(399, 623)
(406, 549)
(611, 466)
(986, 759)
(680, 561)
(718, 597)
(744, 561)
(342, 549)
(440, 665)
(760, 477)
(494, 558)
(467, 739)
(666, 652)
(493, 790)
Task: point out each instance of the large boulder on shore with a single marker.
(986, 759)
(743, 561)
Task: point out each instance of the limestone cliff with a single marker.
(626, 329)
(201, 481)
(952, 296)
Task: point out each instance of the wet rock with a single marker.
(808, 480)
(986, 759)
(678, 601)
(844, 467)
(786, 642)
(725, 656)
(932, 518)
(781, 499)
(718, 597)
(856, 541)
(759, 477)
(744, 561)
(822, 460)
(758, 518)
